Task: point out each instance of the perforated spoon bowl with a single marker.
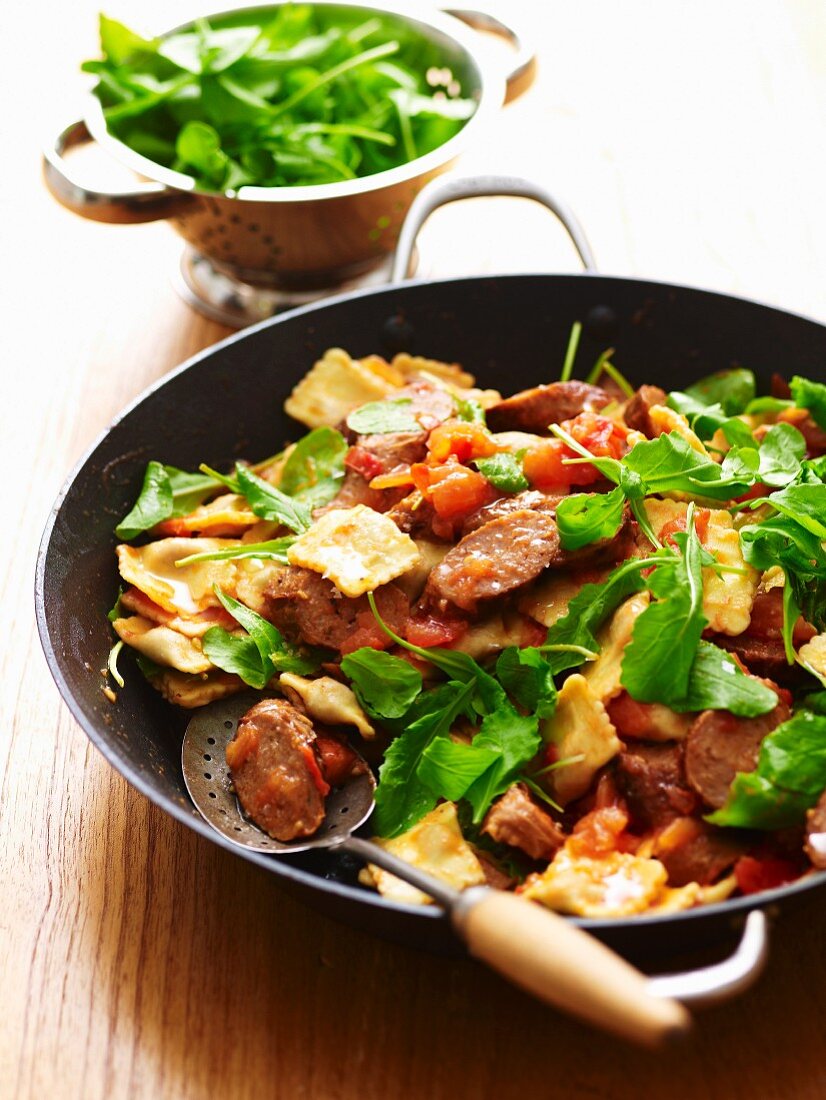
(531, 946)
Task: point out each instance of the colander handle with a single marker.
(522, 68)
(146, 202)
(448, 189)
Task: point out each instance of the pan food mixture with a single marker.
(580, 630)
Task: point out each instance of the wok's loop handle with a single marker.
(448, 189)
(146, 202)
(522, 68)
(712, 984)
(550, 957)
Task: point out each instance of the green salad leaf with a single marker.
(386, 686)
(383, 417)
(166, 493)
(583, 518)
(504, 471)
(270, 503)
(315, 467)
(810, 395)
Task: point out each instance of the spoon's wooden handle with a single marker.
(558, 962)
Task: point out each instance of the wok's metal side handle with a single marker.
(713, 984)
(522, 68)
(145, 202)
(450, 189)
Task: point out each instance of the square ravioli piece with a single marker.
(356, 548)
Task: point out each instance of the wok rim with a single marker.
(602, 927)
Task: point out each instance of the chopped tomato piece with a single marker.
(701, 518)
(429, 631)
(754, 875)
(546, 464)
(178, 528)
(755, 492)
(363, 462)
(337, 760)
(453, 489)
(463, 440)
(599, 832)
(311, 760)
(366, 632)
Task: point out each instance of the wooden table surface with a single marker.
(137, 960)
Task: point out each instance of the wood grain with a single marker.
(136, 959)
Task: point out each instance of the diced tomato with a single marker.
(463, 440)
(453, 489)
(531, 632)
(366, 632)
(178, 528)
(632, 719)
(599, 832)
(135, 600)
(754, 875)
(427, 631)
(337, 759)
(311, 760)
(363, 462)
(755, 492)
(545, 464)
(701, 518)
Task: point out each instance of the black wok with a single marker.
(226, 402)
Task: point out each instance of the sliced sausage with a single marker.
(308, 608)
(533, 410)
(816, 834)
(516, 820)
(275, 770)
(719, 745)
(532, 499)
(651, 777)
(636, 412)
(394, 449)
(496, 559)
(693, 851)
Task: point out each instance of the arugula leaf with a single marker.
(384, 417)
(274, 550)
(236, 654)
(589, 609)
(469, 410)
(450, 767)
(584, 518)
(789, 778)
(402, 798)
(732, 389)
(669, 463)
(782, 450)
(515, 740)
(315, 467)
(166, 492)
(270, 503)
(153, 505)
(805, 504)
(504, 471)
(239, 655)
(705, 420)
(716, 682)
(527, 677)
(457, 665)
(810, 395)
(658, 659)
(761, 406)
(780, 540)
(386, 686)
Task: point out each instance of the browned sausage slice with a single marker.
(309, 608)
(533, 410)
(652, 779)
(516, 820)
(719, 745)
(275, 770)
(636, 413)
(693, 851)
(532, 500)
(816, 834)
(495, 559)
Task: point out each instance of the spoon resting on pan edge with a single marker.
(533, 947)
